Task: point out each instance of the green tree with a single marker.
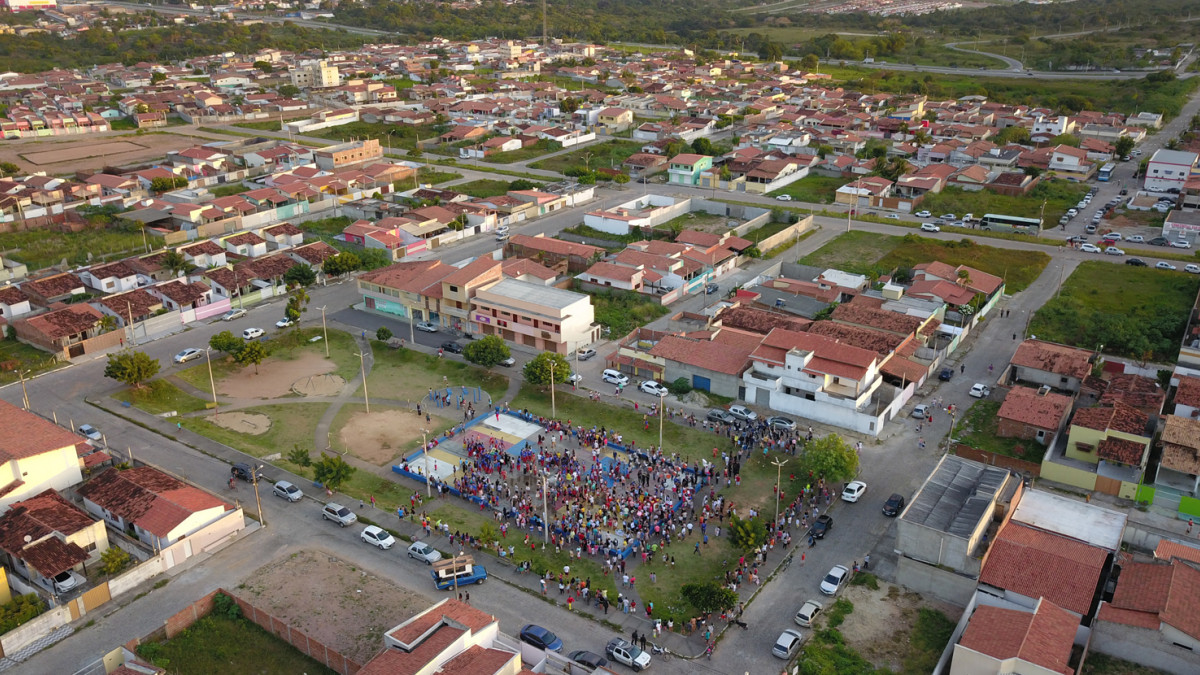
(300, 275)
(108, 323)
(9, 169)
(299, 456)
(621, 178)
(288, 91)
(537, 371)
(680, 386)
(1065, 139)
(832, 457)
(175, 262)
(748, 534)
(342, 263)
(113, 560)
(332, 471)
(703, 146)
(155, 78)
(164, 184)
(1123, 146)
(132, 368)
(383, 334)
(488, 351)
(297, 303)
(227, 342)
(771, 51)
(810, 62)
(709, 596)
(251, 352)
(522, 184)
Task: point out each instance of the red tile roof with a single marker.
(315, 253)
(11, 295)
(1144, 586)
(759, 320)
(1168, 549)
(1053, 358)
(880, 342)
(24, 434)
(556, 246)
(881, 319)
(149, 498)
(1182, 610)
(1040, 564)
(1028, 406)
(830, 357)
(393, 661)
(1043, 638)
(52, 287)
(721, 357)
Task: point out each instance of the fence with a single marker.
(1004, 461)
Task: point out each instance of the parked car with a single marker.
(1071, 213)
(784, 198)
(709, 289)
(509, 362)
(1158, 241)
(613, 377)
(1113, 250)
(821, 526)
(625, 652)
(1136, 239)
(808, 613)
(66, 581)
(779, 422)
(922, 214)
(653, 388)
(427, 327)
(427, 554)
(242, 471)
(1112, 236)
(1091, 228)
(832, 583)
(90, 431)
(853, 490)
(1077, 239)
(452, 347)
(188, 354)
(743, 413)
(541, 638)
(575, 378)
(946, 374)
(892, 216)
(284, 323)
(1136, 262)
(588, 659)
(338, 514)
(1180, 243)
(252, 333)
(1162, 265)
(930, 227)
(787, 644)
(585, 353)
(1194, 269)
(377, 536)
(285, 490)
(1090, 248)
(894, 505)
(980, 390)
(233, 314)
(921, 411)
(718, 415)
(947, 216)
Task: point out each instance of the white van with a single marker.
(615, 377)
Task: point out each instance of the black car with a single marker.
(1124, 192)
(821, 527)
(1136, 262)
(946, 374)
(452, 347)
(589, 659)
(1158, 241)
(711, 288)
(243, 471)
(893, 506)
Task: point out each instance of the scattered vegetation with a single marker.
(20, 610)
(622, 311)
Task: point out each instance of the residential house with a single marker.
(1059, 367)
(13, 303)
(204, 254)
(687, 169)
(115, 277)
(35, 455)
(1179, 467)
(1072, 163)
(1169, 169)
(130, 307)
(535, 316)
(283, 235)
(179, 295)
(45, 535)
(69, 332)
(451, 637)
(404, 289)
(1000, 640)
(46, 291)
(460, 287)
(1151, 619)
(1107, 449)
(1187, 394)
(549, 251)
(1032, 414)
(709, 360)
(246, 244)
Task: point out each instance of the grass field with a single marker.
(43, 248)
(160, 396)
(407, 375)
(263, 125)
(813, 189)
(432, 176)
(22, 357)
(871, 253)
(978, 429)
(214, 643)
(291, 425)
(1133, 311)
(484, 187)
(1058, 196)
(283, 345)
(525, 154)
(607, 155)
(229, 190)
(392, 136)
(622, 311)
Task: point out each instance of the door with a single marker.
(702, 383)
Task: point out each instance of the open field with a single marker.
(406, 375)
(293, 359)
(813, 188)
(382, 436)
(42, 248)
(1142, 315)
(160, 396)
(484, 187)
(1058, 196)
(290, 425)
(63, 156)
(90, 150)
(606, 155)
(979, 429)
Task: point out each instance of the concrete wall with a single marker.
(42, 625)
(935, 547)
(1143, 646)
(785, 235)
(929, 580)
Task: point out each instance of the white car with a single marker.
(377, 536)
(575, 378)
(1194, 269)
(808, 613)
(285, 490)
(930, 227)
(426, 327)
(1165, 266)
(1136, 239)
(784, 198)
(947, 216)
(980, 390)
(1180, 243)
(892, 216)
(787, 644)
(90, 431)
(252, 333)
(509, 362)
(743, 413)
(1113, 250)
(233, 314)
(922, 214)
(921, 411)
(1071, 213)
(1089, 248)
(188, 354)
(854, 489)
(833, 581)
(284, 323)
(653, 388)
(1112, 236)
(585, 353)
(338, 514)
(424, 552)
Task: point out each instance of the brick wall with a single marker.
(1003, 461)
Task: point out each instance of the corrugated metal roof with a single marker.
(956, 496)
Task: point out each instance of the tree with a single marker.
(522, 184)
(251, 352)
(680, 386)
(342, 263)
(113, 560)
(537, 371)
(1123, 146)
(1065, 139)
(227, 342)
(771, 51)
(300, 275)
(9, 169)
(164, 184)
(288, 91)
(703, 146)
(488, 351)
(297, 303)
(748, 534)
(175, 262)
(132, 368)
(383, 334)
(832, 457)
(810, 62)
(621, 178)
(299, 456)
(108, 323)
(332, 471)
(709, 596)
(155, 78)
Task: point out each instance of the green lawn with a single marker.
(538, 149)
(606, 155)
(855, 251)
(43, 248)
(432, 176)
(1057, 195)
(284, 345)
(395, 136)
(263, 125)
(813, 188)
(772, 228)
(622, 311)
(978, 429)
(228, 190)
(407, 375)
(485, 187)
(1142, 314)
(291, 425)
(1018, 268)
(326, 227)
(216, 644)
(160, 396)
(18, 356)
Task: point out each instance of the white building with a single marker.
(1169, 169)
(315, 75)
(35, 455)
(540, 317)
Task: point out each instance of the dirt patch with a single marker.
(253, 424)
(339, 604)
(379, 437)
(880, 624)
(82, 152)
(275, 376)
(319, 385)
(67, 157)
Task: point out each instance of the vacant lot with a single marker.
(290, 425)
(42, 248)
(487, 187)
(813, 189)
(383, 435)
(79, 154)
(1058, 196)
(606, 155)
(1132, 311)
(406, 375)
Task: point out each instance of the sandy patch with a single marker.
(79, 154)
(253, 424)
(319, 385)
(275, 376)
(379, 437)
(338, 604)
(82, 152)
(880, 624)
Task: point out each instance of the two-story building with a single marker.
(534, 316)
(35, 455)
(1170, 169)
(687, 169)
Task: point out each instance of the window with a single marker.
(1084, 447)
(454, 289)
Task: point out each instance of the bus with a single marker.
(1106, 172)
(1002, 223)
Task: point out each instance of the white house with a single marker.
(1169, 169)
(35, 455)
(13, 303)
(204, 254)
(45, 535)
(116, 277)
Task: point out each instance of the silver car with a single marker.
(424, 552)
(288, 491)
(338, 514)
(743, 413)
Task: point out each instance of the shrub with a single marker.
(113, 560)
(223, 605)
(680, 386)
(383, 334)
(20, 610)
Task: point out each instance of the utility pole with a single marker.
(257, 499)
(662, 403)
(779, 488)
(362, 368)
(545, 510)
(553, 407)
(24, 394)
(211, 383)
(325, 330)
(425, 456)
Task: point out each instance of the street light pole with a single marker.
(325, 330)
(211, 383)
(778, 488)
(24, 394)
(257, 499)
(662, 403)
(553, 407)
(425, 457)
(545, 510)
(362, 368)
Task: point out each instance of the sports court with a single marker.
(504, 430)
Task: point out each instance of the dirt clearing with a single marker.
(338, 604)
(319, 385)
(57, 157)
(879, 628)
(379, 437)
(275, 376)
(81, 152)
(243, 423)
